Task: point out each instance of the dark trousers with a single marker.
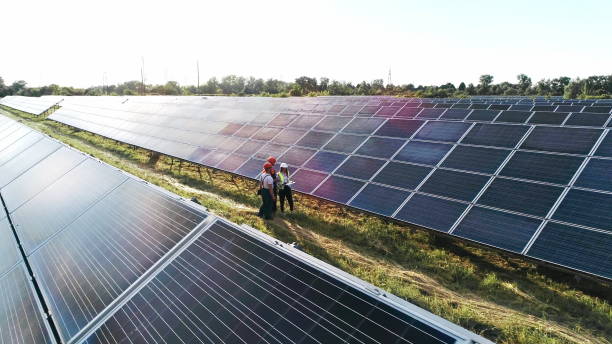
(265, 210)
(286, 193)
(274, 200)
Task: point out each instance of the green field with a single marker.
(504, 298)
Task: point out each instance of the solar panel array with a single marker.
(118, 260)
(527, 176)
(32, 105)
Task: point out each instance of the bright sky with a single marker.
(423, 42)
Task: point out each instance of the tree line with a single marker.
(599, 86)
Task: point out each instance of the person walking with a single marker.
(266, 185)
(273, 174)
(285, 187)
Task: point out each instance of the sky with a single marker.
(83, 43)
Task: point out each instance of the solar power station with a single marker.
(113, 259)
(530, 176)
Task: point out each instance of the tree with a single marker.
(471, 90)
(17, 87)
(323, 84)
(306, 84)
(3, 88)
(572, 90)
(524, 82)
(172, 88)
(254, 86)
(378, 86)
(461, 86)
(232, 84)
(485, 82)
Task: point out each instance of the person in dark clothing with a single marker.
(266, 185)
(273, 174)
(285, 187)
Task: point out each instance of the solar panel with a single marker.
(509, 231)
(21, 318)
(231, 286)
(32, 105)
(105, 246)
(521, 157)
(574, 247)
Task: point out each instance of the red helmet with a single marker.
(267, 165)
(272, 160)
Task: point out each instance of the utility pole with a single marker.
(104, 82)
(142, 77)
(389, 78)
(198, 68)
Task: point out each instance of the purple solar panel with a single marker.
(325, 161)
(296, 156)
(399, 128)
(306, 181)
(338, 189)
(387, 111)
(289, 136)
(408, 112)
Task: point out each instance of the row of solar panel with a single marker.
(218, 122)
(117, 259)
(33, 105)
(383, 107)
(429, 173)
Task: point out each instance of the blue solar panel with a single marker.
(477, 159)
(523, 197)
(458, 114)
(453, 184)
(605, 147)
(574, 247)
(498, 135)
(423, 152)
(587, 119)
(549, 168)
(442, 131)
(513, 116)
(405, 176)
(379, 199)
(563, 140)
(542, 117)
(431, 212)
(586, 208)
(360, 167)
(596, 175)
(482, 115)
(508, 231)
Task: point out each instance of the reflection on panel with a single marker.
(229, 287)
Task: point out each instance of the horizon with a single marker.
(422, 43)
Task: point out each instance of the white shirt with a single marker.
(266, 181)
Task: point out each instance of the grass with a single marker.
(504, 298)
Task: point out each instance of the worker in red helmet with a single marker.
(273, 174)
(266, 190)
